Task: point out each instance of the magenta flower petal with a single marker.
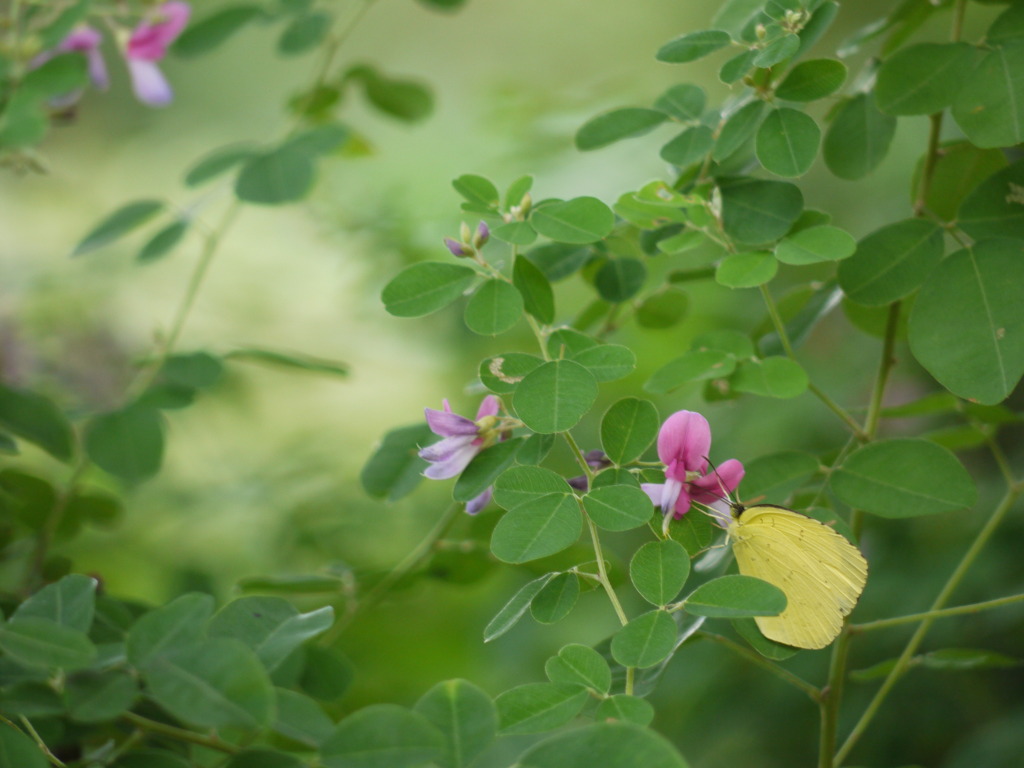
(477, 503)
(717, 485)
(489, 407)
(149, 83)
(448, 424)
(685, 437)
(453, 465)
(150, 39)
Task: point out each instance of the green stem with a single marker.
(34, 575)
(958, 20)
(931, 158)
(960, 610)
(831, 697)
(213, 240)
(884, 368)
(410, 561)
(54, 760)
(181, 734)
(915, 641)
(1001, 461)
(757, 659)
(578, 453)
(780, 329)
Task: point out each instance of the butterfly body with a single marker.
(821, 573)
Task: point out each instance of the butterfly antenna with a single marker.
(725, 495)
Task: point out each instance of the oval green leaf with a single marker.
(695, 365)
(484, 469)
(924, 78)
(555, 396)
(759, 211)
(771, 377)
(607, 362)
(513, 610)
(538, 298)
(465, 716)
(494, 308)
(859, 138)
(281, 175)
(689, 146)
(816, 244)
(746, 270)
(382, 736)
(609, 745)
(618, 507)
(994, 209)
(645, 641)
(812, 80)
(37, 419)
(124, 220)
(618, 124)
(128, 444)
(736, 596)
(891, 262)
(628, 429)
(787, 142)
(659, 570)
(557, 599)
(991, 110)
(579, 221)
(579, 665)
(539, 707)
(693, 46)
(537, 529)
(424, 288)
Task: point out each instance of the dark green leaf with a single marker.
(395, 468)
(994, 209)
(891, 262)
(539, 707)
(270, 626)
(620, 279)
(659, 570)
(494, 308)
(618, 507)
(693, 46)
(962, 659)
(383, 736)
(957, 172)
(664, 308)
(59, 76)
(537, 529)
(19, 751)
(628, 429)
(579, 665)
(69, 602)
(759, 211)
(683, 102)
(207, 33)
(696, 365)
(737, 67)
(118, 224)
(903, 478)
(787, 142)
(736, 596)
(777, 475)
(465, 716)
(924, 78)
(405, 100)
(609, 745)
(812, 80)
(859, 138)
(304, 33)
(688, 147)
(555, 396)
(97, 697)
(607, 362)
(626, 709)
(616, 125)
(128, 444)
(164, 241)
(557, 599)
(39, 642)
(37, 419)
(646, 640)
(538, 298)
(424, 288)
(579, 221)
(991, 110)
(299, 718)
(280, 175)
(559, 260)
(180, 623)
(778, 50)
(485, 468)
(738, 129)
(502, 373)
(771, 377)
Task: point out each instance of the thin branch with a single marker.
(181, 734)
(759, 660)
(960, 610)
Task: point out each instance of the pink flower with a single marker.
(147, 45)
(462, 441)
(87, 40)
(683, 446)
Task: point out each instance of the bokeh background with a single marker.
(261, 475)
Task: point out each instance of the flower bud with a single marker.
(464, 233)
(482, 235)
(458, 249)
(761, 32)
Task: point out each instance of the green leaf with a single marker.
(209, 32)
(299, 718)
(607, 362)
(738, 129)
(535, 449)
(465, 716)
(502, 373)
(991, 109)
(746, 270)
(618, 507)
(957, 172)
(628, 429)
(555, 396)
(659, 570)
(39, 642)
(559, 260)
(787, 142)
(994, 208)
(36, 418)
(179, 623)
(616, 125)
(747, 629)
(620, 279)
(759, 211)
(264, 758)
(568, 342)
(128, 443)
(19, 751)
(56, 77)
(924, 78)
(693, 46)
(578, 221)
(494, 308)
(163, 242)
(513, 610)
(395, 468)
(121, 222)
(663, 308)
(383, 736)
(539, 707)
(405, 100)
(328, 674)
(778, 50)
(891, 262)
(965, 659)
(477, 190)
(65, 20)
(270, 626)
(736, 596)
(859, 138)
(151, 758)
(695, 365)
(645, 641)
(812, 80)
(98, 697)
(485, 468)
(537, 529)
(69, 602)
(215, 683)
(304, 33)
(557, 599)
(424, 288)
(814, 245)
(515, 233)
(626, 709)
(737, 67)
(777, 475)
(579, 665)
(683, 102)
(524, 485)
(321, 140)
(31, 699)
(688, 147)
(903, 477)
(609, 745)
(967, 325)
(280, 175)
(821, 19)
(771, 377)
(517, 190)
(530, 281)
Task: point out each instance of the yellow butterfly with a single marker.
(820, 571)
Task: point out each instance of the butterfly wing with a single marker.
(821, 573)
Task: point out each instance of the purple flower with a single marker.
(462, 441)
(683, 445)
(458, 249)
(147, 45)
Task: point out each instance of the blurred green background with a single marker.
(261, 475)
